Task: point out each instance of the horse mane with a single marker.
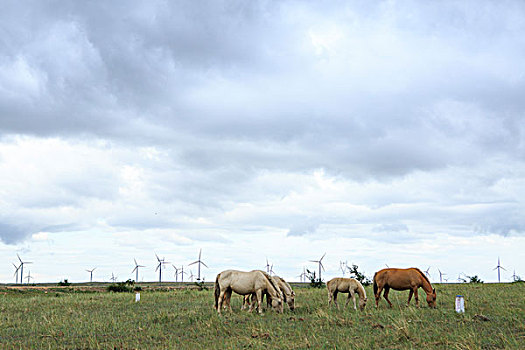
(360, 289)
(422, 274)
(268, 277)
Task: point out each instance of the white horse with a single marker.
(346, 285)
(245, 283)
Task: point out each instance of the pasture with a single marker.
(87, 318)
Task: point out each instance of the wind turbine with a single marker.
(22, 268)
(271, 270)
(176, 273)
(191, 276)
(302, 276)
(17, 268)
(28, 277)
(441, 274)
(320, 265)
(267, 266)
(514, 276)
(426, 272)
(159, 266)
(182, 273)
(499, 267)
(136, 270)
(199, 262)
(461, 279)
(91, 274)
(342, 266)
(113, 278)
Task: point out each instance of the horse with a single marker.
(288, 295)
(403, 279)
(346, 285)
(245, 283)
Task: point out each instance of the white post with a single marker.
(137, 297)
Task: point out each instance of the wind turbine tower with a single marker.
(199, 262)
(499, 267)
(320, 265)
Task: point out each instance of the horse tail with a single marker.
(217, 291)
(375, 284)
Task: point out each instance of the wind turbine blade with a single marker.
(193, 263)
(320, 263)
(135, 260)
(135, 269)
(204, 264)
(315, 261)
(19, 258)
(322, 257)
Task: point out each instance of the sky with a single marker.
(382, 133)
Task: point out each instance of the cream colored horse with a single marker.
(346, 285)
(245, 283)
(287, 294)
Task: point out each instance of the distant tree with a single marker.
(365, 281)
(474, 279)
(64, 283)
(128, 286)
(315, 281)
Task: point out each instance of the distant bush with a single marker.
(315, 282)
(64, 283)
(122, 287)
(474, 279)
(201, 285)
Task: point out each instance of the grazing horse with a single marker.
(346, 285)
(403, 279)
(288, 295)
(245, 283)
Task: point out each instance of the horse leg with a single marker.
(335, 299)
(259, 300)
(416, 296)
(229, 298)
(410, 296)
(221, 300)
(378, 295)
(385, 295)
(351, 294)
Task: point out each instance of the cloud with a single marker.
(227, 122)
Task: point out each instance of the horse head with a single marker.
(291, 301)
(431, 299)
(362, 303)
(277, 304)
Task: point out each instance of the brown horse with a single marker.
(403, 279)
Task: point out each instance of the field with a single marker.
(183, 318)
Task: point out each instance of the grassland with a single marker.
(80, 318)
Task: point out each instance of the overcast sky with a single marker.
(387, 132)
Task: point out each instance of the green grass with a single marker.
(185, 319)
